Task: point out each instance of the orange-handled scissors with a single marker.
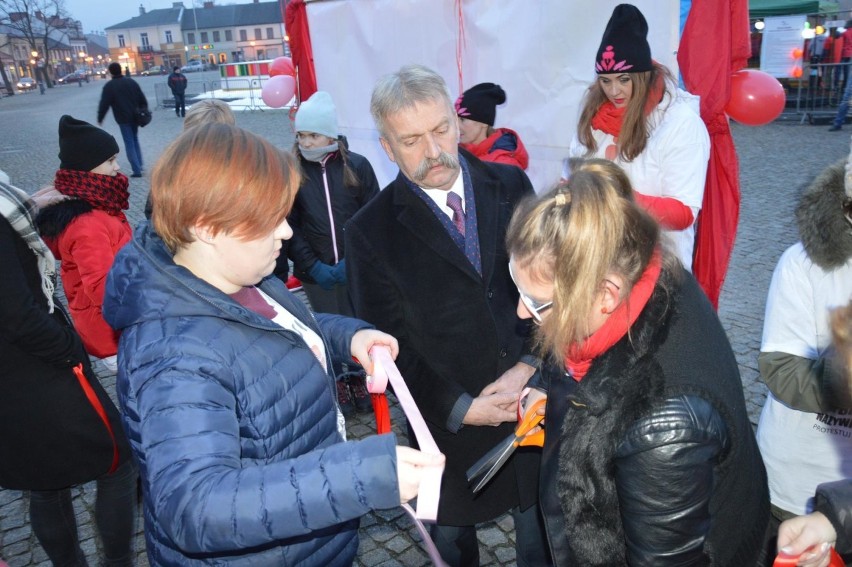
(485, 468)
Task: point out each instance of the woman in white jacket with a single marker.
(634, 114)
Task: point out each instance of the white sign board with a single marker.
(781, 37)
(541, 52)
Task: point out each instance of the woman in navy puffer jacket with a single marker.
(223, 380)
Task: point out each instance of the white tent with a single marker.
(541, 52)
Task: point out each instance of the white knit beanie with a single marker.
(318, 115)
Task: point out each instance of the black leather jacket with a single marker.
(664, 476)
(651, 459)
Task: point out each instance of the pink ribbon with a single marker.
(384, 371)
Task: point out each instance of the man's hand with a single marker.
(364, 340)
(493, 409)
(811, 536)
(513, 380)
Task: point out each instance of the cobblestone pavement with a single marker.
(775, 160)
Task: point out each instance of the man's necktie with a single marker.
(454, 202)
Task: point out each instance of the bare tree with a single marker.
(35, 20)
(7, 84)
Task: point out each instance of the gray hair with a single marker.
(411, 85)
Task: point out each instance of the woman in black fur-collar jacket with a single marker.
(649, 457)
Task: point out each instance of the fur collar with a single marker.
(53, 219)
(825, 233)
(620, 387)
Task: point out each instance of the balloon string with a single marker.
(460, 45)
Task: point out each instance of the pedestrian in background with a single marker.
(177, 83)
(336, 184)
(224, 376)
(82, 219)
(59, 427)
(649, 457)
(477, 109)
(635, 115)
(124, 96)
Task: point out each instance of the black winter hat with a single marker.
(83, 147)
(479, 102)
(624, 47)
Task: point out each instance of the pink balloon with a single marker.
(757, 98)
(282, 66)
(278, 90)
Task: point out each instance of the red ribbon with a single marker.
(784, 560)
(99, 408)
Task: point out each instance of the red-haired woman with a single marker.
(224, 375)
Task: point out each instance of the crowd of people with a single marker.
(233, 394)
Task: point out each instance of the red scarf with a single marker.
(580, 357)
(104, 192)
(608, 118)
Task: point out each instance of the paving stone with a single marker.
(374, 557)
(398, 544)
(491, 536)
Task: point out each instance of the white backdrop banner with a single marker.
(542, 52)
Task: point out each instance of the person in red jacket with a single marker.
(82, 221)
(476, 109)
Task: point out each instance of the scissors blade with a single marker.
(498, 464)
(480, 467)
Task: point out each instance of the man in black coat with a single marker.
(433, 272)
(177, 83)
(125, 97)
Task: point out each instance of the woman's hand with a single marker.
(810, 536)
(528, 402)
(410, 465)
(364, 340)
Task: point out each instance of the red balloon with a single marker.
(282, 66)
(757, 98)
(278, 91)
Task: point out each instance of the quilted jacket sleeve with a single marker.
(338, 332)
(204, 497)
(664, 475)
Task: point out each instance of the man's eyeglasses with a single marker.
(536, 308)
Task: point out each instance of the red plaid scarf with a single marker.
(104, 192)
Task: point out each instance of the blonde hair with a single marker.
(576, 236)
(209, 110)
(224, 177)
(634, 127)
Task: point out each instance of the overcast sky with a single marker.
(99, 14)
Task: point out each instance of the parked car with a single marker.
(194, 65)
(26, 84)
(75, 77)
(154, 70)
